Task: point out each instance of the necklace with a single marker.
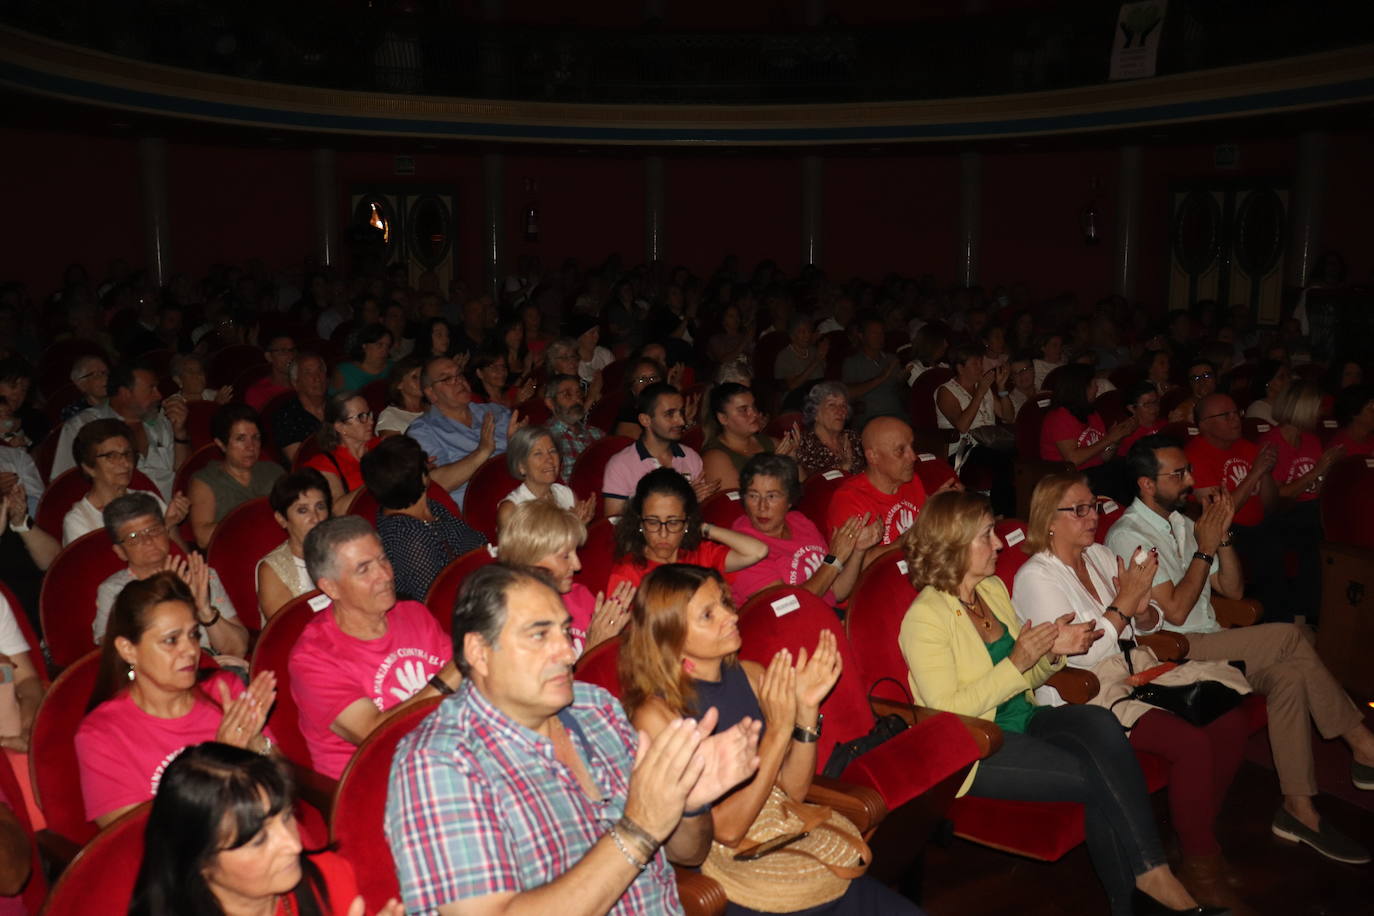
(976, 613)
(286, 906)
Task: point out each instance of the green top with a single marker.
(1015, 714)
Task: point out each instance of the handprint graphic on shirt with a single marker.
(412, 678)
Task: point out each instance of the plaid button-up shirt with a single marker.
(572, 441)
(479, 805)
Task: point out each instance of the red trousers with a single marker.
(1202, 763)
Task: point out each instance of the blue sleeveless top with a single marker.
(732, 696)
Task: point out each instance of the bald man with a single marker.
(888, 488)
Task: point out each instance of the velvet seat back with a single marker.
(100, 880)
(443, 591)
(273, 653)
(243, 537)
(489, 485)
(53, 767)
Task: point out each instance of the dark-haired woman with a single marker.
(222, 840)
(148, 702)
(662, 524)
(488, 375)
(344, 437)
(420, 535)
(300, 501)
(405, 399)
(221, 486)
(735, 435)
(369, 358)
(1074, 432)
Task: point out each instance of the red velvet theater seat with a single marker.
(242, 538)
(100, 881)
(53, 768)
(489, 485)
(722, 509)
(816, 494)
(66, 602)
(597, 555)
(443, 591)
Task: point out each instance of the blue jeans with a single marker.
(1080, 754)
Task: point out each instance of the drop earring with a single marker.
(131, 672)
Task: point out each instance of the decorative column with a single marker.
(813, 190)
(493, 222)
(326, 209)
(654, 220)
(1307, 207)
(152, 173)
(1126, 241)
(970, 216)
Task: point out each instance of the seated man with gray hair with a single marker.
(365, 654)
(138, 535)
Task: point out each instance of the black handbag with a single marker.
(846, 752)
(1199, 703)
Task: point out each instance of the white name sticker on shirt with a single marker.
(1043, 402)
(1192, 430)
(1263, 427)
(733, 496)
(786, 605)
(1014, 537)
(833, 474)
(926, 456)
(1369, 462)
(319, 602)
(1108, 505)
(491, 549)
(1329, 424)
(902, 567)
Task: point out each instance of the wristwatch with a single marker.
(22, 527)
(808, 735)
(831, 560)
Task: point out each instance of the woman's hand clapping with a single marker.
(245, 715)
(817, 674)
(778, 695)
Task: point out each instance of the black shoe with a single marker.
(1145, 905)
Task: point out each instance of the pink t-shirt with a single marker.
(790, 561)
(580, 603)
(122, 751)
(1293, 462)
(331, 671)
(1059, 425)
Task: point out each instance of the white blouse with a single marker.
(1047, 589)
(562, 496)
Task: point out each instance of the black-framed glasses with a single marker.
(671, 525)
(1177, 474)
(96, 373)
(1081, 510)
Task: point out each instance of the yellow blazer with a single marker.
(948, 665)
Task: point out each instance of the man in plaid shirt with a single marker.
(563, 394)
(525, 791)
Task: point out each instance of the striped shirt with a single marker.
(479, 805)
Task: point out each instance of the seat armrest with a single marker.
(987, 735)
(1166, 645)
(1074, 684)
(701, 896)
(1237, 612)
(863, 806)
(315, 788)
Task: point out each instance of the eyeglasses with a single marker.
(1227, 414)
(773, 496)
(125, 456)
(1081, 510)
(649, 379)
(361, 416)
(147, 535)
(671, 525)
(1203, 376)
(1178, 474)
(446, 379)
(98, 373)
(1146, 404)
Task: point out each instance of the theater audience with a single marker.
(1069, 572)
(538, 533)
(643, 372)
(873, 375)
(467, 804)
(280, 353)
(661, 523)
(149, 701)
(138, 535)
(533, 459)
(887, 491)
(222, 837)
(827, 443)
(366, 653)
(405, 400)
(91, 376)
(1271, 378)
(103, 452)
(1156, 366)
(681, 660)
(568, 420)
(928, 348)
(300, 417)
(734, 435)
(420, 535)
(1355, 414)
(459, 434)
(662, 420)
(1074, 432)
(222, 486)
(1142, 404)
(1051, 350)
(1202, 381)
(158, 435)
(18, 656)
(369, 359)
(968, 653)
(342, 439)
(801, 361)
(300, 501)
(187, 371)
(798, 554)
(1196, 560)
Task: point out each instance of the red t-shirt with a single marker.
(1059, 425)
(339, 882)
(342, 464)
(707, 553)
(1140, 433)
(262, 391)
(1294, 462)
(1352, 447)
(896, 512)
(1214, 467)
(331, 671)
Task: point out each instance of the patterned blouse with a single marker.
(816, 458)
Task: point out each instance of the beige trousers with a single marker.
(1281, 663)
